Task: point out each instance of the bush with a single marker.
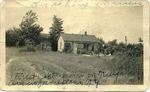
(127, 65)
(12, 36)
(29, 45)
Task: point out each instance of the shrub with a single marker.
(128, 65)
(12, 36)
(29, 45)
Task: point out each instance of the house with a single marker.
(78, 43)
(45, 43)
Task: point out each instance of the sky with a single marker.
(108, 23)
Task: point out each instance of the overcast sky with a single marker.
(108, 22)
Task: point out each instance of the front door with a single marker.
(68, 47)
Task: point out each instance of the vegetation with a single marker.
(28, 30)
(123, 66)
(55, 32)
(12, 36)
(128, 57)
(114, 48)
(57, 68)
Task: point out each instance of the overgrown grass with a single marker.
(62, 68)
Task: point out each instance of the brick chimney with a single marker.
(85, 32)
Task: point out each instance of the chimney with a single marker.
(85, 32)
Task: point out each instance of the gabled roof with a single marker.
(79, 38)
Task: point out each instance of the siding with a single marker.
(60, 44)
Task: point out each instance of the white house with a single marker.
(77, 43)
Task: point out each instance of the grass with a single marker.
(24, 68)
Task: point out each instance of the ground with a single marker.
(28, 68)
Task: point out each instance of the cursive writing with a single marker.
(96, 78)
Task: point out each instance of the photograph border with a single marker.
(146, 39)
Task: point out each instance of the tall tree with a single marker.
(55, 32)
(101, 46)
(30, 30)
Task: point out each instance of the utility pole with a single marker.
(126, 40)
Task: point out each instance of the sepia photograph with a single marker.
(74, 44)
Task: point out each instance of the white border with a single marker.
(86, 88)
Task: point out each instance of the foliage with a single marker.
(29, 45)
(72, 69)
(55, 31)
(111, 47)
(131, 66)
(101, 45)
(28, 30)
(134, 50)
(114, 48)
(12, 36)
(128, 57)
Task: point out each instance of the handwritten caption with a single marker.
(81, 3)
(21, 78)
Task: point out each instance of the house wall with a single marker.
(90, 47)
(60, 44)
(96, 47)
(75, 48)
(68, 47)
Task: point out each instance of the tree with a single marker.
(121, 48)
(55, 32)
(30, 30)
(12, 36)
(101, 46)
(111, 47)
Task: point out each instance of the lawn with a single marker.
(48, 67)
